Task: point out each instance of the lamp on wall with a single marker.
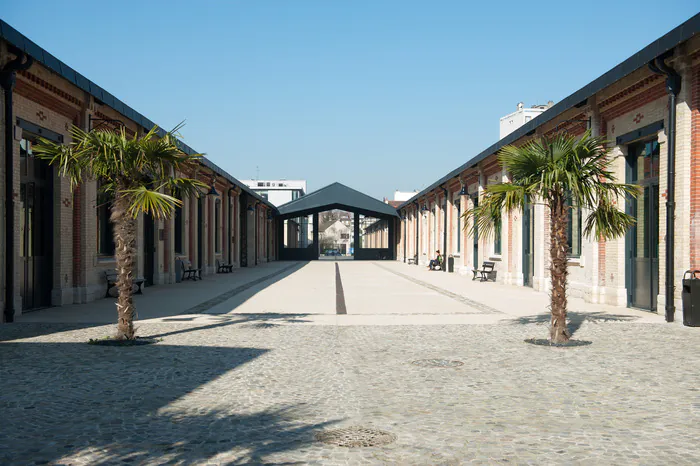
(463, 191)
(251, 208)
(212, 190)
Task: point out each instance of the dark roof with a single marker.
(665, 43)
(336, 196)
(23, 43)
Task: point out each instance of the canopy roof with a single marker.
(336, 196)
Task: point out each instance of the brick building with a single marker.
(61, 241)
(630, 106)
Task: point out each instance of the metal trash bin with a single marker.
(451, 263)
(691, 298)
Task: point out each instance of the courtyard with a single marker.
(250, 367)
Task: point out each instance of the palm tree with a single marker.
(563, 173)
(139, 174)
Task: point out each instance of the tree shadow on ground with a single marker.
(576, 319)
(263, 320)
(70, 402)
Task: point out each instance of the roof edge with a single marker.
(22, 42)
(668, 41)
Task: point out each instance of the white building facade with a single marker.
(522, 115)
(277, 192)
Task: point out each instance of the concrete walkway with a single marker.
(164, 301)
(375, 293)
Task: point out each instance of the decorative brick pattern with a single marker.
(649, 95)
(46, 100)
(50, 88)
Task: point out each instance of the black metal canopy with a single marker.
(336, 196)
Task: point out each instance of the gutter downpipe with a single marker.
(8, 76)
(673, 87)
(444, 230)
(417, 223)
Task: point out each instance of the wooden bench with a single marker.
(223, 268)
(487, 271)
(190, 273)
(111, 278)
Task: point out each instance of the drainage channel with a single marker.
(469, 302)
(206, 305)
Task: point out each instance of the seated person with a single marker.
(435, 262)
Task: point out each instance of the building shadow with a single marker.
(76, 403)
(576, 319)
(17, 330)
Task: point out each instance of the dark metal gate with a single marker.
(36, 228)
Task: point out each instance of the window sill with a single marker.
(104, 259)
(575, 261)
(497, 257)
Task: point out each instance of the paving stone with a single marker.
(241, 394)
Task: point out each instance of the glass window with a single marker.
(179, 227)
(217, 225)
(573, 230)
(497, 238)
(105, 229)
(459, 225)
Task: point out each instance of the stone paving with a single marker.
(245, 387)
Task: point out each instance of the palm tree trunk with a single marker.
(559, 333)
(125, 254)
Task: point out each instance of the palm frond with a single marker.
(607, 222)
(147, 201)
(182, 187)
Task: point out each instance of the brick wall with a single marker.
(695, 169)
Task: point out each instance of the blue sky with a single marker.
(377, 94)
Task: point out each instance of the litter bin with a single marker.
(451, 263)
(691, 298)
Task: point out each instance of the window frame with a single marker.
(498, 237)
(179, 229)
(105, 228)
(570, 253)
(217, 226)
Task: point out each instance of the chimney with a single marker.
(520, 105)
(550, 103)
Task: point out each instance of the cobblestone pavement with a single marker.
(257, 388)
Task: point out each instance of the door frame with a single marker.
(632, 208)
(528, 237)
(475, 239)
(149, 250)
(45, 222)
